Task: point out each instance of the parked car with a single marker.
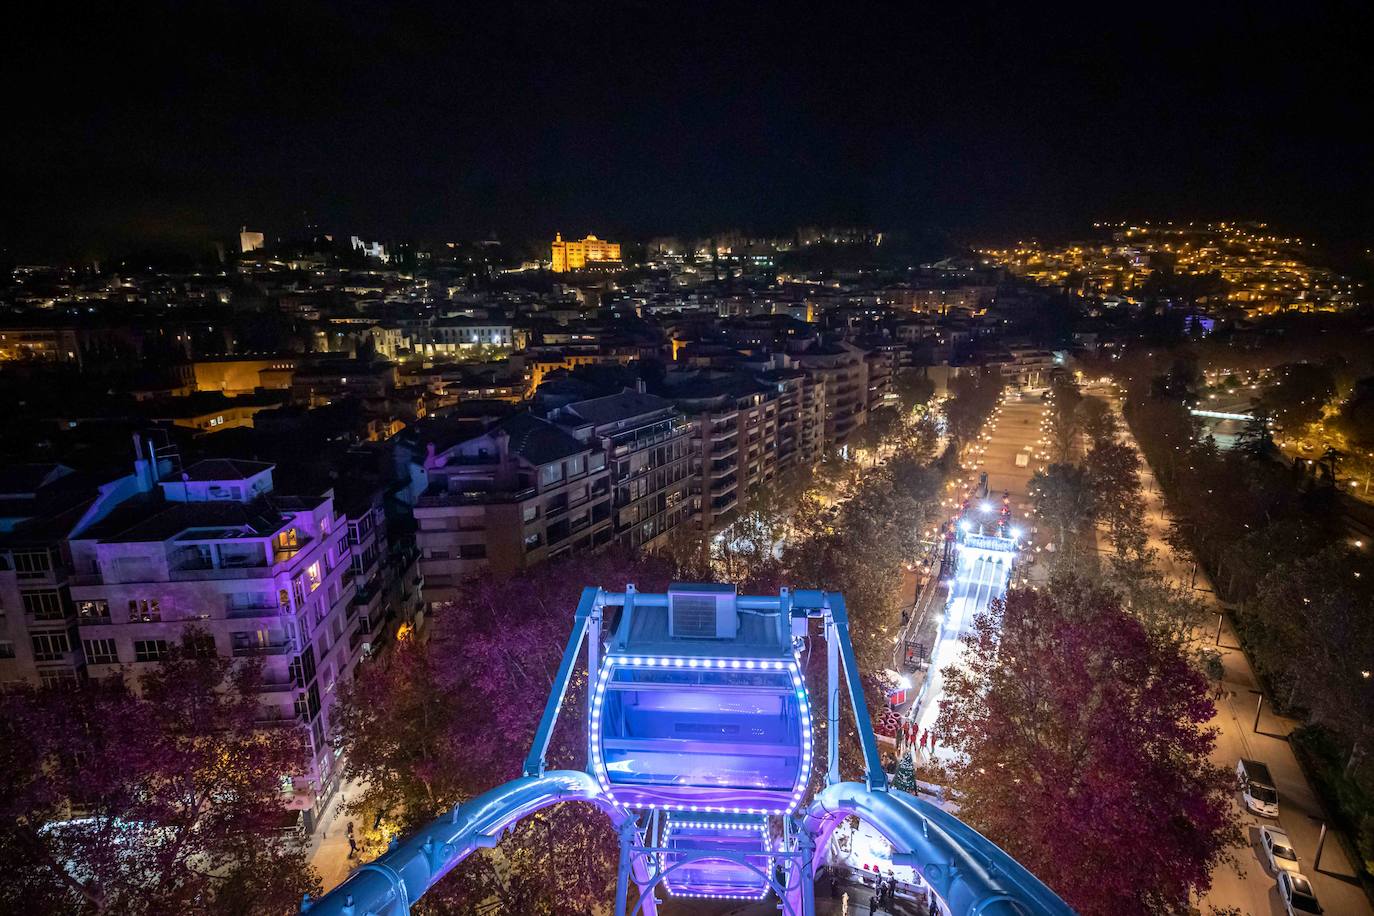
(1278, 849)
(1297, 895)
(1257, 788)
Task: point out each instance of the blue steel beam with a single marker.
(534, 763)
(874, 775)
(390, 885)
(972, 876)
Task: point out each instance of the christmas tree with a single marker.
(904, 778)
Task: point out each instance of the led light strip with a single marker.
(633, 661)
(723, 895)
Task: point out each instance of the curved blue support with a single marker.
(969, 872)
(392, 883)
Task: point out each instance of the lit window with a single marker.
(312, 573)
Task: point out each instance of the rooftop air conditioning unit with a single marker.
(702, 612)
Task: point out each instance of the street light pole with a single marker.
(1259, 707)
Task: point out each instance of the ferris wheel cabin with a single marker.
(700, 706)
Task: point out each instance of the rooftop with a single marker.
(616, 408)
(221, 469)
(539, 441)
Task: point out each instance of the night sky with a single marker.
(178, 122)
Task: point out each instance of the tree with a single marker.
(1098, 421)
(1064, 499)
(1255, 439)
(1298, 394)
(913, 388)
(1076, 733)
(904, 777)
(1356, 417)
(491, 657)
(1114, 476)
(973, 398)
(174, 795)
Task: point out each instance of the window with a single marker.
(146, 610)
(58, 678)
(202, 645)
(530, 513)
(32, 564)
(576, 465)
(312, 574)
(472, 551)
(44, 605)
(287, 539)
(93, 610)
(597, 461)
(550, 473)
(50, 647)
(101, 651)
(149, 650)
(6, 649)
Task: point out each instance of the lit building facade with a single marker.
(263, 576)
(575, 255)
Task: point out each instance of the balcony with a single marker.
(725, 486)
(435, 499)
(185, 574)
(257, 610)
(276, 685)
(722, 470)
(264, 649)
(724, 503)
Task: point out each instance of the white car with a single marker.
(1278, 850)
(1297, 895)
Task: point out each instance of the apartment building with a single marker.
(524, 491)
(648, 443)
(881, 360)
(842, 371)
(262, 574)
(801, 416)
(734, 439)
(39, 505)
(385, 576)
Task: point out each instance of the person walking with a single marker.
(872, 905)
(844, 904)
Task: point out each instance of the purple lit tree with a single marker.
(1082, 743)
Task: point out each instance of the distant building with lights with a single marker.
(575, 255)
(250, 241)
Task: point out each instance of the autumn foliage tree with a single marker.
(1082, 749)
(446, 718)
(163, 801)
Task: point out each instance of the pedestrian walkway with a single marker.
(1264, 737)
(328, 850)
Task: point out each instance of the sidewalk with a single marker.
(1251, 887)
(328, 848)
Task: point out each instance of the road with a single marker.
(1252, 888)
(983, 576)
